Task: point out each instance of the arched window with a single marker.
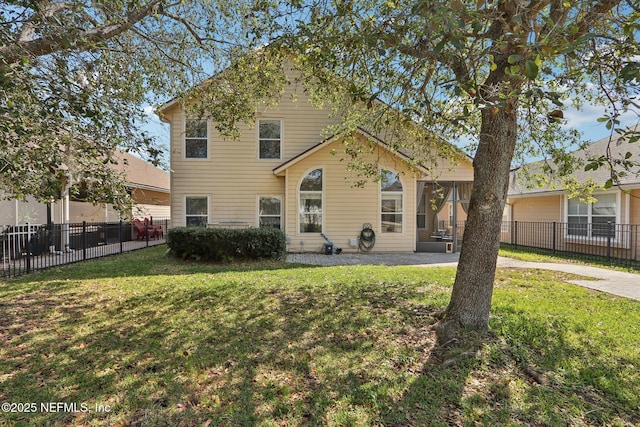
(310, 207)
(391, 193)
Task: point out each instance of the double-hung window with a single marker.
(311, 202)
(196, 211)
(269, 139)
(391, 199)
(592, 219)
(270, 212)
(195, 139)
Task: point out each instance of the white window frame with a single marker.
(322, 201)
(590, 238)
(208, 217)
(270, 216)
(264, 119)
(403, 210)
(185, 137)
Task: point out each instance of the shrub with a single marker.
(224, 244)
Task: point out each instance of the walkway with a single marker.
(610, 281)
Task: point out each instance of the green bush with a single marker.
(224, 244)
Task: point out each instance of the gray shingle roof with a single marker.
(618, 147)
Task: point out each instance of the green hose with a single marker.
(367, 238)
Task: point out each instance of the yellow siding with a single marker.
(233, 177)
(447, 170)
(634, 207)
(537, 209)
(346, 208)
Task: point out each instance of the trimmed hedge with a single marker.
(226, 244)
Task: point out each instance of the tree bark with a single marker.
(80, 41)
(470, 302)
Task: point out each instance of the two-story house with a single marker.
(283, 173)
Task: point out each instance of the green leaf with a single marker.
(514, 59)
(530, 70)
(438, 48)
(538, 61)
(608, 184)
(630, 72)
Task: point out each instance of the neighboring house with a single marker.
(578, 223)
(282, 173)
(149, 188)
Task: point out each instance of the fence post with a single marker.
(609, 229)
(84, 240)
(515, 234)
(146, 232)
(120, 234)
(28, 248)
(554, 237)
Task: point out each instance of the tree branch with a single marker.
(45, 11)
(80, 41)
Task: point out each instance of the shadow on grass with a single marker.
(153, 261)
(325, 350)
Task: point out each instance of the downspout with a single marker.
(454, 192)
(66, 234)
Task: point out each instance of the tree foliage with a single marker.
(497, 73)
(76, 77)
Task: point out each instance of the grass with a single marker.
(161, 342)
(533, 255)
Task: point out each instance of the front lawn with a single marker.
(140, 339)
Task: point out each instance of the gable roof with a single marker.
(279, 170)
(618, 147)
(141, 174)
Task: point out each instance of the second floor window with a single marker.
(195, 139)
(269, 139)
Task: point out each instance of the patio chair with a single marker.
(155, 230)
(140, 229)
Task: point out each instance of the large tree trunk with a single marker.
(473, 287)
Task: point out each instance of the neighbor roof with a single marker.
(141, 174)
(619, 148)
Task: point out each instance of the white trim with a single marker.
(334, 138)
(260, 196)
(184, 207)
(589, 239)
(184, 141)
(298, 207)
(281, 138)
(627, 208)
(404, 210)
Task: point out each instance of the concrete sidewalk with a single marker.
(610, 281)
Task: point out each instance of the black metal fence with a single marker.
(605, 242)
(29, 247)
